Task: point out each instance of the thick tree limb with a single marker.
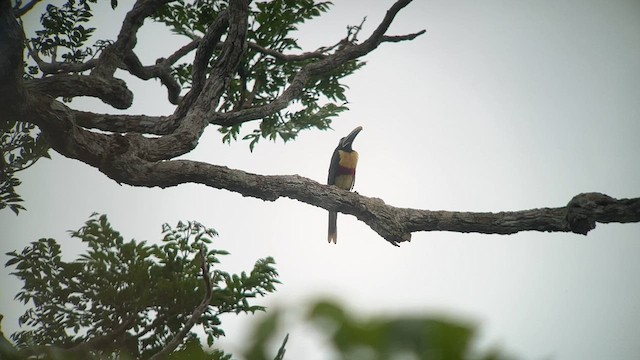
(319, 54)
(197, 103)
(110, 90)
(393, 224)
(11, 48)
(205, 49)
(142, 124)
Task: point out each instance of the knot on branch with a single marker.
(387, 221)
(584, 210)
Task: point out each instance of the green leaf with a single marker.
(21, 146)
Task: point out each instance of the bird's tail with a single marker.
(333, 229)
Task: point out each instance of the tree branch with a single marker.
(141, 124)
(161, 70)
(113, 54)
(55, 67)
(114, 156)
(205, 49)
(110, 90)
(173, 58)
(586, 209)
(347, 53)
(318, 54)
(398, 38)
(25, 9)
(11, 47)
(195, 315)
(392, 223)
(205, 94)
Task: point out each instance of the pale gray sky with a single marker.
(502, 105)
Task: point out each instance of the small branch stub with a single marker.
(584, 210)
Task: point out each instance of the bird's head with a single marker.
(347, 141)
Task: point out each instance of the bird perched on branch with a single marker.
(342, 173)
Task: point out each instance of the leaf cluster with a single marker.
(21, 147)
(155, 287)
(63, 33)
(411, 336)
(262, 77)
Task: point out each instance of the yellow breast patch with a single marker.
(348, 159)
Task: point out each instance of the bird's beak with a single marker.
(352, 136)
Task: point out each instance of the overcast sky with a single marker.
(502, 105)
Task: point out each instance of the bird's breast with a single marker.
(345, 174)
(348, 160)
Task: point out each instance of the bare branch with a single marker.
(141, 124)
(112, 91)
(122, 159)
(112, 55)
(197, 102)
(282, 350)
(195, 315)
(205, 49)
(25, 9)
(318, 54)
(173, 58)
(161, 71)
(398, 38)
(586, 209)
(392, 223)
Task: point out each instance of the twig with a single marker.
(25, 9)
(195, 315)
(282, 350)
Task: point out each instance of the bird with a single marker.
(342, 173)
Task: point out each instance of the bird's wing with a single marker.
(333, 167)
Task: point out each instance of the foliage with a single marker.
(64, 35)
(20, 149)
(411, 336)
(154, 288)
(261, 78)
(63, 29)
